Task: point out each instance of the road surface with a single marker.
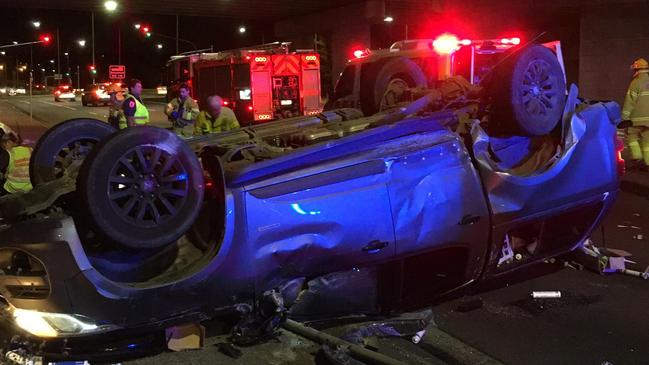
(50, 113)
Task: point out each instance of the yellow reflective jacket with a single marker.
(206, 123)
(190, 108)
(18, 170)
(141, 113)
(636, 103)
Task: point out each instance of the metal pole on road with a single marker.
(78, 82)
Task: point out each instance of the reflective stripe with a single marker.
(18, 170)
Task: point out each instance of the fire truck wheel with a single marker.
(529, 93)
(64, 144)
(142, 187)
(391, 81)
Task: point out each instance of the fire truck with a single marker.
(260, 83)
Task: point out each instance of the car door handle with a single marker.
(375, 246)
(469, 220)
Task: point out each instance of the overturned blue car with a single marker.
(138, 230)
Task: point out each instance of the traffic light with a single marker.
(146, 30)
(93, 69)
(45, 39)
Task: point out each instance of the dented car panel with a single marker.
(381, 195)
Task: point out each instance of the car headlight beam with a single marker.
(48, 325)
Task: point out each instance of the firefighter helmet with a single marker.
(640, 64)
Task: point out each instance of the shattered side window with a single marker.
(345, 85)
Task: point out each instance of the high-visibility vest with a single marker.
(18, 170)
(141, 113)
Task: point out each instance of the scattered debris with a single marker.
(606, 260)
(546, 294)
(469, 304)
(418, 336)
(406, 325)
(185, 337)
(644, 275)
(260, 323)
(229, 350)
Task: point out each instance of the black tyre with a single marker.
(63, 144)
(142, 187)
(385, 83)
(529, 93)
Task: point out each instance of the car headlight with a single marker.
(48, 325)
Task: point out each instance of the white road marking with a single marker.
(93, 113)
(59, 105)
(26, 102)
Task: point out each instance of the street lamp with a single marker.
(110, 5)
(388, 19)
(138, 26)
(242, 29)
(81, 42)
(36, 24)
(159, 45)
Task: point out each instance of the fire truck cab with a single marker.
(259, 83)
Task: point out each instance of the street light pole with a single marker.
(58, 52)
(92, 20)
(177, 38)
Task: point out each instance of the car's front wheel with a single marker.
(142, 187)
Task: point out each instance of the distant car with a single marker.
(95, 94)
(64, 92)
(21, 90)
(39, 87)
(161, 90)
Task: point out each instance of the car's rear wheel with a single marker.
(64, 144)
(529, 93)
(142, 187)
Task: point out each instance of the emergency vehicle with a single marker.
(259, 83)
(376, 80)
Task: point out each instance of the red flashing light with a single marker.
(250, 107)
(91, 67)
(261, 59)
(465, 42)
(65, 87)
(145, 29)
(45, 39)
(248, 57)
(446, 44)
(359, 53)
(226, 103)
(515, 41)
(310, 58)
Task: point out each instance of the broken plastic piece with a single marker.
(546, 294)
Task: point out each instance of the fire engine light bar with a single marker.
(261, 59)
(465, 42)
(514, 41)
(310, 58)
(359, 53)
(446, 44)
(265, 117)
(286, 102)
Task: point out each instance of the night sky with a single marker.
(141, 56)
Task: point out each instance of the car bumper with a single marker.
(65, 96)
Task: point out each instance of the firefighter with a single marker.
(134, 111)
(182, 111)
(635, 114)
(215, 118)
(15, 168)
(116, 94)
